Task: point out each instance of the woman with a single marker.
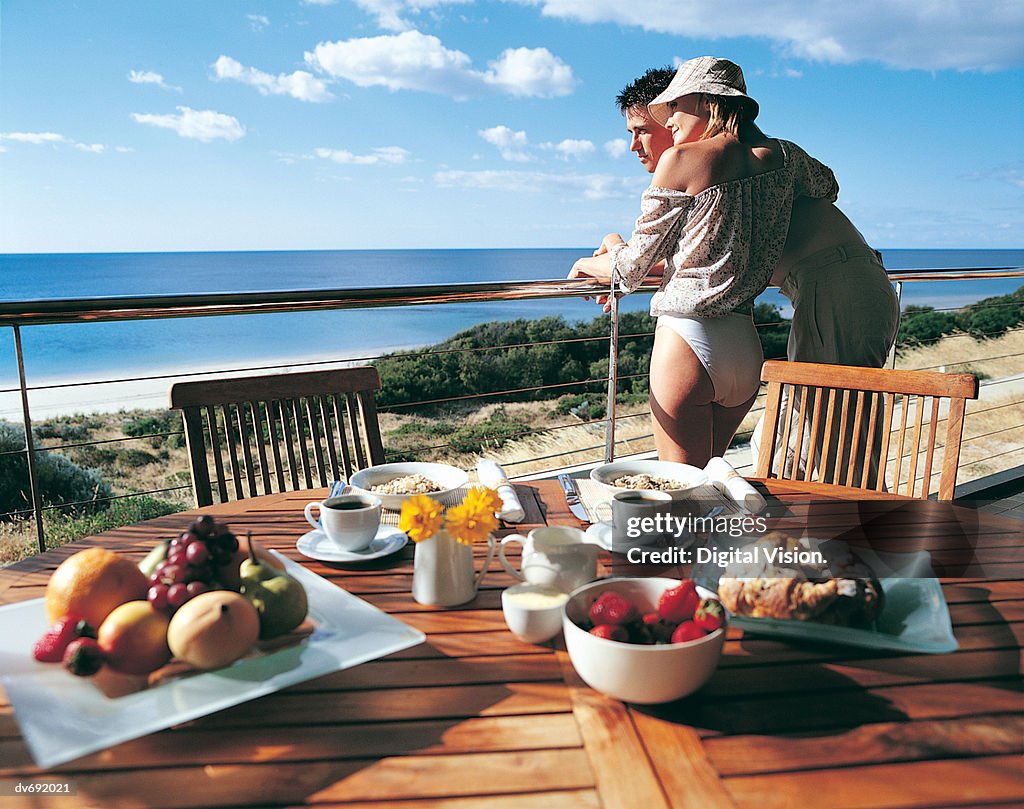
(718, 209)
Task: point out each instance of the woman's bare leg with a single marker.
(681, 401)
(727, 421)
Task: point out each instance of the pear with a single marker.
(279, 599)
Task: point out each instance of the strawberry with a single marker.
(83, 657)
(709, 615)
(677, 605)
(687, 630)
(658, 630)
(51, 646)
(612, 608)
(610, 632)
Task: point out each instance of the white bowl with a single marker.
(533, 612)
(449, 478)
(690, 476)
(635, 672)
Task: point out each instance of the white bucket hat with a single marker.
(705, 74)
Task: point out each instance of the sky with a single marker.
(173, 125)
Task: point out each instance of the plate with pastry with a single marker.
(831, 592)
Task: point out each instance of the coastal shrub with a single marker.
(991, 317)
(93, 456)
(60, 480)
(430, 429)
(134, 458)
(923, 325)
(161, 427)
(66, 428)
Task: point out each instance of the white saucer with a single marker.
(316, 545)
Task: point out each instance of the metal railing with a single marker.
(21, 314)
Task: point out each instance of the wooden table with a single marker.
(475, 718)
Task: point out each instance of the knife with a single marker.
(572, 497)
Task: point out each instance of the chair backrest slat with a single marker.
(218, 465)
(883, 454)
(258, 426)
(815, 423)
(273, 408)
(245, 438)
(299, 416)
(873, 399)
(328, 436)
(858, 423)
(829, 429)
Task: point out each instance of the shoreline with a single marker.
(68, 396)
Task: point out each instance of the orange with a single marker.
(91, 583)
(134, 638)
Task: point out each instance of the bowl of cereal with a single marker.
(393, 483)
(678, 479)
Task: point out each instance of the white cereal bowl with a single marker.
(633, 672)
(690, 476)
(449, 478)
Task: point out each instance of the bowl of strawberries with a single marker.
(644, 640)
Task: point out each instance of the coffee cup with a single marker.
(350, 521)
(555, 556)
(638, 517)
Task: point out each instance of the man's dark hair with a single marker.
(642, 91)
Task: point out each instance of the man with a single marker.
(648, 138)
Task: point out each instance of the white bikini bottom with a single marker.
(729, 350)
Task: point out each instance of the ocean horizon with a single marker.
(56, 355)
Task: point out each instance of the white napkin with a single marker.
(492, 476)
(724, 477)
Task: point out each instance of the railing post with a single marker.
(613, 373)
(33, 477)
(899, 309)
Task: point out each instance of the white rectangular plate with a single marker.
(914, 618)
(63, 717)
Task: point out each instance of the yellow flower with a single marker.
(483, 499)
(421, 517)
(470, 522)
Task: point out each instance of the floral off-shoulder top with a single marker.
(723, 243)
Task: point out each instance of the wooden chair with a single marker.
(302, 430)
(837, 422)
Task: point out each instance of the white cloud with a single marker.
(35, 138)
(415, 61)
(571, 148)
(41, 138)
(385, 154)
(258, 21)
(203, 125)
(951, 34)
(587, 186)
(301, 85)
(531, 72)
(616, 148)
(388, 12)
(149, 77)
(512, 145)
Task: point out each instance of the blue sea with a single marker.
(111, 350)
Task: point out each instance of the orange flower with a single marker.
(421, 517)
(470, 522)
(483, 499)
